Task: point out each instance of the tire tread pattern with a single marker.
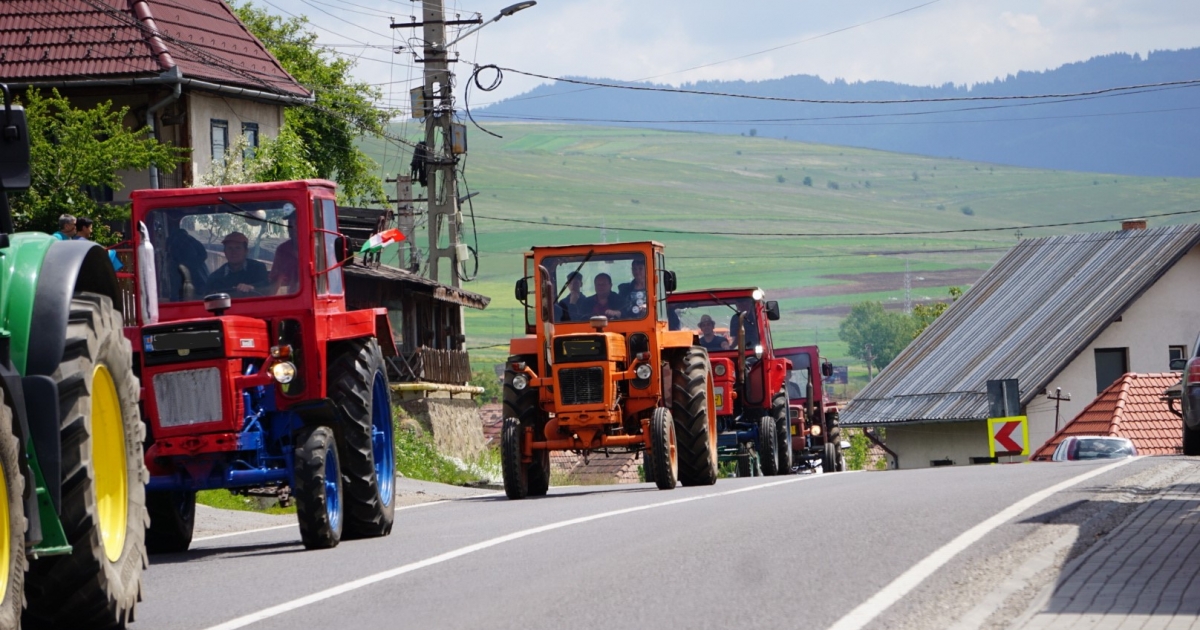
(312, 447)
(689, 407)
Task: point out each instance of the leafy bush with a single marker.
(807, 181)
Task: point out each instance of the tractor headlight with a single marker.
(644, 371)
(283, 372)
(719, 369)
(816, 430)
(520, 382)
(758, 351)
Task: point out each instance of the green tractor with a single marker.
(72, 477)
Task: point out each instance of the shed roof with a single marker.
(69, 40)
(1027, 318)
(438, 290)
(1133, 407)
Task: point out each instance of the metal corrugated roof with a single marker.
(439, 291)
(1027, 318)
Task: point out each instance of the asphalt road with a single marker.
(783, 552)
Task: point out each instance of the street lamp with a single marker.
(505, 12)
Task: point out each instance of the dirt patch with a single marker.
(877, 282)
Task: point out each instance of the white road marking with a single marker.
(342, 589)
(867, 611)
(274, 527)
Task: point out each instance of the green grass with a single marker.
(632, 178)
(227, 500)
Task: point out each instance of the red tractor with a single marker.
(254, 373)
(749, 375)
(815, 430)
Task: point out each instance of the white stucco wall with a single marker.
(918, 444)
(1167, 314)
(204, 108)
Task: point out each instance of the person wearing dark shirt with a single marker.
(183, 250)
(634, 293)
(708, 339)
(571, 304)
(241, 275)
(748, 322)
(604, 302)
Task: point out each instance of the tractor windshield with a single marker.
(248, 251)
(613, 285)
(797, 377)
(714, 320)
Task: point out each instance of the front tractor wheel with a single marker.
(768, 446)
(664, 454)
(172, 519)
(689, 407)
(103, 492)
(359, 389)
(516, 473)
(12, 524)
(783, 433)
(318, 491)
(522, 404)
(829, 458)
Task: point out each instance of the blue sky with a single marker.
(959, 41)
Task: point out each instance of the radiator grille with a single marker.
(188, 397)
(581, 386)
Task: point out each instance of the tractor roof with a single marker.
(165, 193)
(600, 248)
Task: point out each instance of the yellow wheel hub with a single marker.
(108, 458)
(5, 534)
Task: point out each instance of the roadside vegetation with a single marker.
(227, 500)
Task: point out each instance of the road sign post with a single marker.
(1008, 436)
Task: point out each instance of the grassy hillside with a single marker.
(629, 179)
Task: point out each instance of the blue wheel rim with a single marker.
(333, 502)
(381, 439)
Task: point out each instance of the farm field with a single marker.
(762, 212)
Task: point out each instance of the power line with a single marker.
(842, 234)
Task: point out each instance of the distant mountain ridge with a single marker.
(1152, 133)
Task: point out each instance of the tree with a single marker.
(276, 159)
(924, 314)
(886, 332)
(807, 181)
(344, 109)
(74, 149)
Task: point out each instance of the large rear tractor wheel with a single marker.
(516, 473)
(783, 433)
(318, 490)
(172, 519)
(359, 388)
(689, 407)
(767, 447)
(522, 404)
(103, 480)
(664, 454)
(12, 524)
(835, 427)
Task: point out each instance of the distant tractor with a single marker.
(601, 372)
(817, 434)
(256, 375)
(72, 493)
(752, 405)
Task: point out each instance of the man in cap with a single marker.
(708, 338)
(240, 274)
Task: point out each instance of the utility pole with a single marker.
(1057, 398)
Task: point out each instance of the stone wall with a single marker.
(453, 423)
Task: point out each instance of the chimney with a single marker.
(1133, 224)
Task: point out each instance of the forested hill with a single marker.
(1153, 132)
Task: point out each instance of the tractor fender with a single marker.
(68, 267)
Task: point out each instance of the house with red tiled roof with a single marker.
(188, 69)
(1133, 407)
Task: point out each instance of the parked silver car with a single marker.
(1084, 447)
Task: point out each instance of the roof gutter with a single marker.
(152, 120)
(170, 77)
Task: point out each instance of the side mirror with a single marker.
(669, 281)
(772, 310)
(14, 147)
(826, 369)
(521, 291)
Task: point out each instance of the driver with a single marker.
(708, 338)
(241, 275)
(633, 293)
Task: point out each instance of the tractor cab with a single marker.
(814, 417)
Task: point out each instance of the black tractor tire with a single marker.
(97, 585)
(352, 379)
(12, 600)
(516, 473)
(523, 405)
(829, 458)
(767, 446)
(320, 527)
(783, 433)
(689, 407)
(746, 462)
(835, 427)
(172, 520)
(1191, 438)
(664, 454)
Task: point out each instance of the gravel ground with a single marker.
(215, 522)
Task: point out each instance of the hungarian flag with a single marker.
(378, 241)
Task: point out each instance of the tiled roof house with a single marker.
(1133, 407)
(187, 68)
(1072, 312)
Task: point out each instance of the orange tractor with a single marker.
(600, 371)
